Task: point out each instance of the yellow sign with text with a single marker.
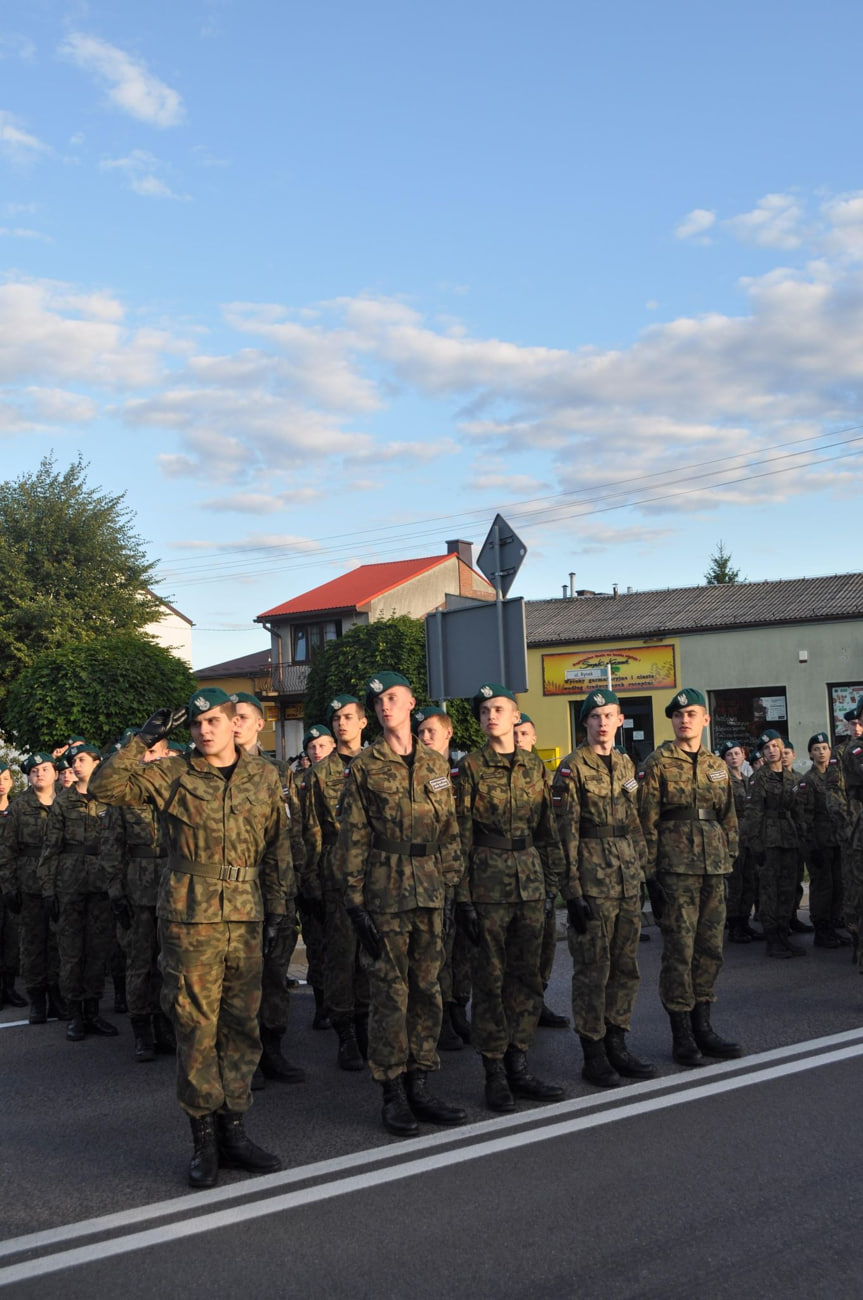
(641, 668)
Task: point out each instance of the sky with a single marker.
(319, 285)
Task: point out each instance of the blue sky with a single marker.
(324, 284)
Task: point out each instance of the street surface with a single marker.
(740, 1179)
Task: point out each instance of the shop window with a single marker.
(743, 714)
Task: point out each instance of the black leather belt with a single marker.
(590, 831)
(403, 848)
(689, 815)
(89, 849)
(143, 851)
(485, 840)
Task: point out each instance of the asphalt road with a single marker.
(738, 1179)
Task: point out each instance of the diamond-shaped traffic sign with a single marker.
(501, 556)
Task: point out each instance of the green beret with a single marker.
(84, 749)
(4, 767)
(427, 711)
(36, 760)
(727, 745)
(820, 738)
(177, 747)
(525, 717)
(336, 703)
(76, 740)
(685, 699)
(490, 691)
(770, 734)
(61, 764)
(381, 682)
(246, 697)
(210, 697)
(315, 733)
(595, 700)
(787, 744)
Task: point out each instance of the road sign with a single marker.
(501, 556)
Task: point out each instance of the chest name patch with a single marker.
(631, 784)
(718, 776)
(439, 783)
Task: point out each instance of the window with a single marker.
(307, 638)
(842, 697)
(743, 714)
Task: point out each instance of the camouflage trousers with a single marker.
(40, 960)
(549, 948)
(405, 1012)
(211, 992)
(313, 938)
(275, 994)
(507, 986)
(742, 887)
(85, 937)
(825, 885)
(140, 943)
(346, 983)
(777, 888)
(605, 974)
(692, 925)
(852, 878)
(454, 975)
(8, 939)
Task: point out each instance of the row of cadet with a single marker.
(384, 861)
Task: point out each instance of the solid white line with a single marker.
(13, 1024)
(362, 1182)
(257, 1187)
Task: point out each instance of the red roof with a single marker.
(355, 589)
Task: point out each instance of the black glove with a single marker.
(658, 898)
(122, 909)
(51, 904)
(467, 920)
(759, 858)
(313, 907)
(12, 899)
(367, 931)
(273, 922)
(161, 724)
(580, 913)
(448, 915)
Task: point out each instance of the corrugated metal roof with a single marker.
(694, 609)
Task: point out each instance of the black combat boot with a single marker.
(397, 1114)
(237, 1151)
(684, 1048)
(321, 1020)
(708, 1041)
(120, 1004)
(621, 1059)
(204, 1165)
(738, 931)
(826, 937)
(776, 947)
(796, 949)
(497, 1094)
(57, 1003)
(38, 1006)
(426, 1106)
(524, 1084)
(11, 996)
(142, 1028)
(273, 1064)
(77, 1026)
(448, 1039)
(549, 1019)
(597, 1068)
(349, 1056)
(796, 926)
(361, 1027)
(95, 1023)
(460, 1022)
(164, 1039)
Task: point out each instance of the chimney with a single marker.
(614, 589)
(464, 551)
(565, 591)
(572, 584)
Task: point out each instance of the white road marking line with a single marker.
(227, 1218)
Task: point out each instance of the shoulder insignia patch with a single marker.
(640, 774)
(565, 771)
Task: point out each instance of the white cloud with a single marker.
(261, 503)
(140, 168)
(694, 224)
(255, 542)
(17, 144)
(774, 222)
(13, 45)
(40, 410)
(23, 232)
(130, 85)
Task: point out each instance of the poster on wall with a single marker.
(639, 669)
(843, 698)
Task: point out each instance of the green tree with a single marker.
(73, 569)
(94, 689)
(397, 644)
(721, 570)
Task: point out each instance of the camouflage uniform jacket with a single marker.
(507, 796)
(852, 771)
(21, 837)
(211, 821)
(134, 853)
(294, 814)
(385, 799)
(740, 790)
(587, 797)
(670, 786)
(323, 787)
(773, 815)
(70, 861)
(819, 797)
